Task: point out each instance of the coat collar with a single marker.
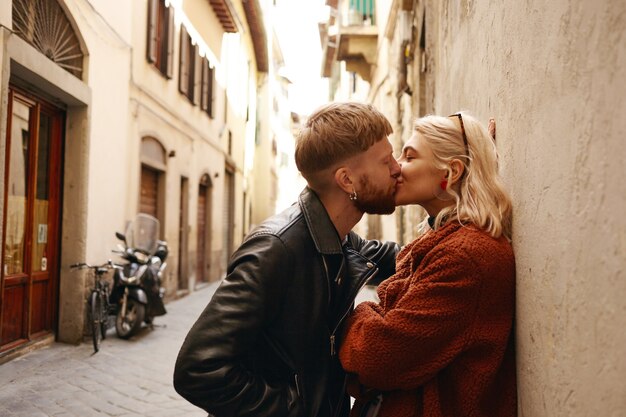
(424, 244)
(320, 226)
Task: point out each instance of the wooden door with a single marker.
(202, 264)
(30, 246)
(183, 227)
(148, 198)
(228, 217)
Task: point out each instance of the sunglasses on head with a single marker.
(460, 116)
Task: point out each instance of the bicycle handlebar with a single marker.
(109, 265)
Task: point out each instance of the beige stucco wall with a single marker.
(263, 157)
(201, 143)
(553, 77)
(109, 72)
(94, 185)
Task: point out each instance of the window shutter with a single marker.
(204, 91)
(169, 70)
(211, 92)
(197, 62)
(183, 80)
(152, 41)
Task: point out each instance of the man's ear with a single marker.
(343, 178)
(456, 171)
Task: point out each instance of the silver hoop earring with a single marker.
(353, 195)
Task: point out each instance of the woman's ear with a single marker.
(344, 180)
(456, 171)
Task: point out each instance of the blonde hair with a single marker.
(334, 133)
(481, 198)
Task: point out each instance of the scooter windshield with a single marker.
(143, 233)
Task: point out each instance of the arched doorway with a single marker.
(152, 183)
(203, 263)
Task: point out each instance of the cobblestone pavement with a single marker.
(125, 378)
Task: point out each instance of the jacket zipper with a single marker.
(297, 381)
(333, 349)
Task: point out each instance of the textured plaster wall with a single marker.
(109, 74)
(553, 75)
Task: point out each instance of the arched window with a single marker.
(45, 26)
(153, 153)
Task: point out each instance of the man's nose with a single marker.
(395, 169)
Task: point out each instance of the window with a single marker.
(45, 26)
(189, 67)
(160, 51)
(208, 83)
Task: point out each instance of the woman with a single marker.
(440, 343)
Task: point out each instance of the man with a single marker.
(266, 344)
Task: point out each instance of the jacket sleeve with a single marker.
(382, 253)
(424, 330)
(210, 371)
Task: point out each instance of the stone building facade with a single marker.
(552, 75)
(108, 109)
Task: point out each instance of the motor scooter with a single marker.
(137, 294)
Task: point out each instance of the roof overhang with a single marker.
(254, 16)
(225, 14)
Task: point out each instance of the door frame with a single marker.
(55, 183)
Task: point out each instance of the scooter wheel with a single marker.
(129, 325)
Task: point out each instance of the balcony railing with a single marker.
(359, 13)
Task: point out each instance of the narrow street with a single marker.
(125, 378)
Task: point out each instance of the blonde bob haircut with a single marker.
(480, 196)
(334, 133)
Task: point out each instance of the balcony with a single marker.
(358, 47)
(351, 37)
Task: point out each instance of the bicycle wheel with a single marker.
(96, 319)
(104, 323)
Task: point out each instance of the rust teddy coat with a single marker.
(440, 341)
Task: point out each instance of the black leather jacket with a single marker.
(265, 345)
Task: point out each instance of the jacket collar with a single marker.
(320, 226)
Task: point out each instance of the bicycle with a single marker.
(98, 301)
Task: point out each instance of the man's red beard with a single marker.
(372, 201)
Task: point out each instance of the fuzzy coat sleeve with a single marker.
(425, 318)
